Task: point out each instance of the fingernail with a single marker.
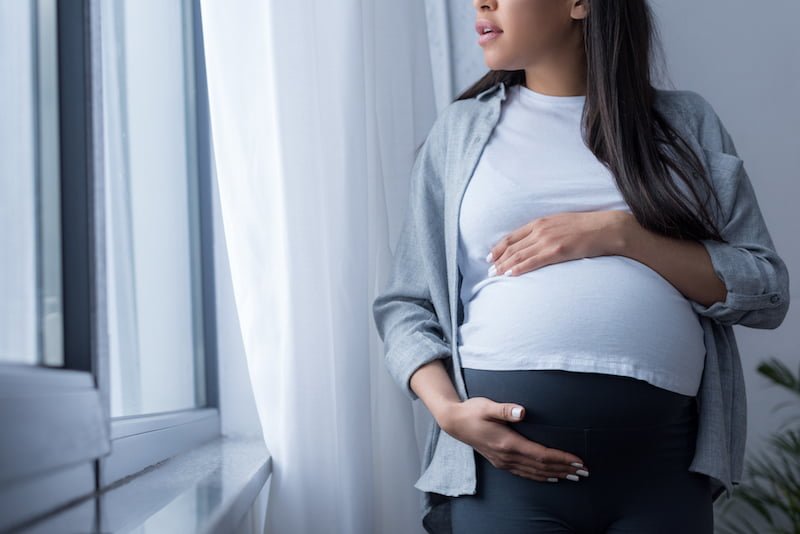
(489, 257)
(492, 270)
(507, 273)
(576, 464)
(582, 472)
(573, 477)
(516, 412)
(552, 479)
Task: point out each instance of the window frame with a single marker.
(42, 469)
(60, 445)
(143, 440)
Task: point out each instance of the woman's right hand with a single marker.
(481, 423)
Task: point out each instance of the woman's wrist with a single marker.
(444, 410)
(433, 385)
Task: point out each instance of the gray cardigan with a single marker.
(418, 310)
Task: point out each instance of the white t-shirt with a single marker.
(605, 314)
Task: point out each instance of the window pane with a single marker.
(30, 234)
(155, 313)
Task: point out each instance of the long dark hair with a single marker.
(623, 129)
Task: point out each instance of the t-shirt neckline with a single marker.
(529, 95)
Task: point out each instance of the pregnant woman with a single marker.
(577, 247)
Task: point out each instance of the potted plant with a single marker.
(768, 499)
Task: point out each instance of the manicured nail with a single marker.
(489, 257)
(516, 412)
(492, 271)
(507, 273)
(573, 477)
(552, 479)
(582, 472)
(576, 464)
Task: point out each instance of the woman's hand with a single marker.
(560, 237)
(480, 423)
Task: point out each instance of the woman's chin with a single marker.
(493, 62)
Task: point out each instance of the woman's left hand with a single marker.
(561, 237)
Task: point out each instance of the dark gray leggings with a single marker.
(637, 441)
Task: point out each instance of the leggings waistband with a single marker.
(579, 399)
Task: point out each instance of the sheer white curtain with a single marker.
(316, 108)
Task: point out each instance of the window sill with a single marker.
(208, 489)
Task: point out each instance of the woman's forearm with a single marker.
(433, 385)
(684, 263)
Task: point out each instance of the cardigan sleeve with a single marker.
(403, 310)
(756, 277)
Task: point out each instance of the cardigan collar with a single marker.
(498, 90)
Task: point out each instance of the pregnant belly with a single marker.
(607, 304)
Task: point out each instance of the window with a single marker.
(154, 292)
(30, 284)
(107, 332)
(156, 252)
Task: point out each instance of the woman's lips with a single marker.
(481, 25)
(488, 36)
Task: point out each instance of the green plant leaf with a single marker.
(775, 370)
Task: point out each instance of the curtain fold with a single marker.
(316, 109)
